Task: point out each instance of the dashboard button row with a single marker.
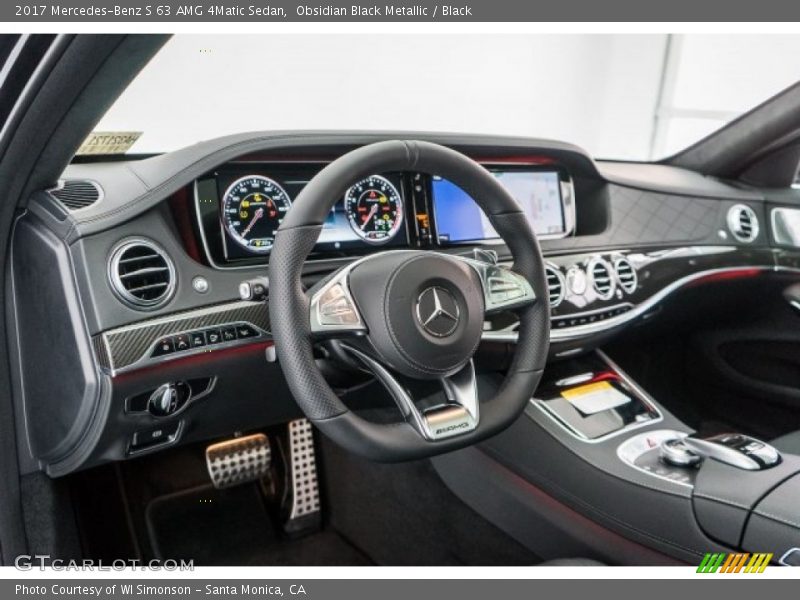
(586, 319)
(203, 337)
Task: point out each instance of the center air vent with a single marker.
(75, 194)
(555, 285)
(142, 274)
(626, 275)
(601, 278)
(743, 223)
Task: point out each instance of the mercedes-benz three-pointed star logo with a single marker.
(437, 311)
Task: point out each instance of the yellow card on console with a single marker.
(595, 397)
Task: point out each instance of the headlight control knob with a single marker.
(168, 399)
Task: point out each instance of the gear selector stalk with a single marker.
(734, 449)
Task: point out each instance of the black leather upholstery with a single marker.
(789, 443)
(572, 562)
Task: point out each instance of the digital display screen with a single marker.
(459, 218)
(278, 185)
(336, 228)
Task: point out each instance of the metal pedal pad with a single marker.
(239, 460)
(304, 505)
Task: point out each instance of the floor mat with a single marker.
(403, 515)
(232, 528)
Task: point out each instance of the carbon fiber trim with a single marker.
(118, 349)
(99, 346)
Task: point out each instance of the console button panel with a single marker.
(200, 338)
(589, 317)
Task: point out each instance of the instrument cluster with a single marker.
(240, 207)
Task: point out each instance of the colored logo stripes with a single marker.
(721, 562)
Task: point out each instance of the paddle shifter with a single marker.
(734, 449)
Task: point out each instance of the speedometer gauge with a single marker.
(375, 209)
(253, 208)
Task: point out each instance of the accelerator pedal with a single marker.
(303, 514)
(239, 460)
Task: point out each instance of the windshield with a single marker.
(631, 97)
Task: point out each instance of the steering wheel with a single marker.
(408, 313)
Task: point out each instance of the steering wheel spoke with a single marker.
(503, 289)
(333, 311)
(459, 414)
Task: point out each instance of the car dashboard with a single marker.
(135, 275)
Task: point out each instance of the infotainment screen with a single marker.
(459, 219)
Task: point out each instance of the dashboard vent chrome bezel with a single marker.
(743, 223)
(558, 279)
(627, 277)
(118, 278)
(77, 194)
(606, 286)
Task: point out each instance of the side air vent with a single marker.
(743, 223)
(75, 194)
(141, 274)
(556, 285)
(626, 275)
(601, 277)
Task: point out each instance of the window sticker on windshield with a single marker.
(109, 142)
(596, 397)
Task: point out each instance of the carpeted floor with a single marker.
(232, 528)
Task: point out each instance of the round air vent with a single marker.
(743, 223)
(626, 275)
(75, 194)
(601, 277)
(142, 274)
(556, 285)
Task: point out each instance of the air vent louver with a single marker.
(75, 194)
(142, 274)
(600, 275)
(626, 275)
(743, 223)
(555, 285)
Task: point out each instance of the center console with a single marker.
(592, 401)
(594, 445)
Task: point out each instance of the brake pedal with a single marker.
(304, 504)
(239, 460)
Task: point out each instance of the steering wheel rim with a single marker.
(290, 305)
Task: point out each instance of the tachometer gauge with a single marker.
(252, 210)
(375, 209)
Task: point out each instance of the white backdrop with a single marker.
(610, 94)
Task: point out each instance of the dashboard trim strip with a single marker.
(148, 360)
(582, 331)
(127, 348)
